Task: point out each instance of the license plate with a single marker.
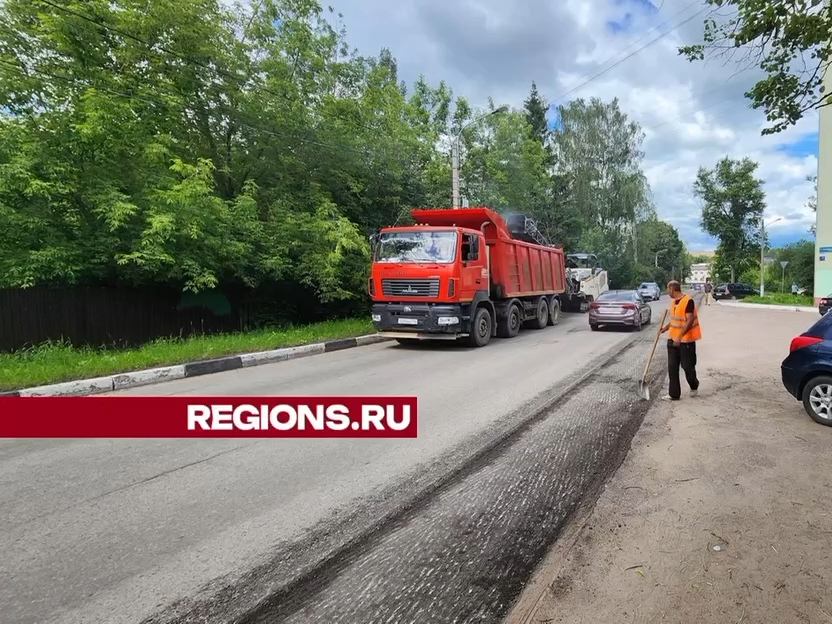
(408, 321)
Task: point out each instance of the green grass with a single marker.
(55, 362)
(782, 299)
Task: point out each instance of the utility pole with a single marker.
(455, 152)
(763, 253)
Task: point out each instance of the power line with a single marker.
(633, 53)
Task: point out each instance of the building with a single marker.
(823, 225)
(699, 272)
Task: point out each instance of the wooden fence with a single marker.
(111, 316)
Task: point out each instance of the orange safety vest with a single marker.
(678, 321)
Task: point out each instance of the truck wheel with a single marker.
(509, 326)
(554, 312)
(480, 328)
(542, 318)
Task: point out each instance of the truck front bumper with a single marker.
(415, 319)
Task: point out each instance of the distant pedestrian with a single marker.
(794, 289)
(683, 332)
(709, 290)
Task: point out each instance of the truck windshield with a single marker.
(416, 247)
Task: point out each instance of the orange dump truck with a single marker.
(463, 274)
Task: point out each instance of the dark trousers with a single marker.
(684, 357)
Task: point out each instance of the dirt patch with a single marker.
(722, 511)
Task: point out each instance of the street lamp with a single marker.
(455, 150)
(763, 252)
(661, 251)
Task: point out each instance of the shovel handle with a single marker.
(653, 350)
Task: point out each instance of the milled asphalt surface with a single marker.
(115, 530)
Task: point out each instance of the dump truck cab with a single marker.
(425, 279)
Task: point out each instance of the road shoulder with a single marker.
(720, 512)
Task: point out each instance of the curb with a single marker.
(766, 306)
(122, 381)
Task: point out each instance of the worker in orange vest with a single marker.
(683, 332)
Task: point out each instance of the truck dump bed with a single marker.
(518, 268)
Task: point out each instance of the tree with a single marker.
(504, 164)
(732, 208)
(536, 109)
(598, 163)
(788, 41)
(800, 268)
(661, 252)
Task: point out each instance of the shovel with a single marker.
(643, 386)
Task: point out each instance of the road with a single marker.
(117, 530)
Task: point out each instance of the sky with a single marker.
(693, 114)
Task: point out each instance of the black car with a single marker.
(734, 291)
(807, 371)
(825, 304)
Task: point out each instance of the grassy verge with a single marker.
(56, 362)
(782, 299)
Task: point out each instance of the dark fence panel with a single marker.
(110, 316)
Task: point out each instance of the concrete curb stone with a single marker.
(121, 381)
(766, 306)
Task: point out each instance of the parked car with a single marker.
(650, 291)
(807, 370)
(624, 308)
(824, 304)
(734, 291)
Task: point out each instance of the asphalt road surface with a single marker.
(202, 530)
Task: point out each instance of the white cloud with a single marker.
(692, 114)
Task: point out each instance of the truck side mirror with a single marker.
(474, 254)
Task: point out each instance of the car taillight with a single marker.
(824, 301)
(451, 287)
(801, 342)
(371, 287)
(630, 306)
(594, 306)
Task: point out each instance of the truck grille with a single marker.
(410, 288)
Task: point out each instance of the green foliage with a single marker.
(208, 146)
(659, 244)
(812, 202)
(732, 208)
(56, 362)
(788, 41)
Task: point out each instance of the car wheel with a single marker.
(817, 399)
(649, 317)
(593, 327)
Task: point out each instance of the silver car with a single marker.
(624, 308)
(650, 291)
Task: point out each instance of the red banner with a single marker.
(207, 417)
